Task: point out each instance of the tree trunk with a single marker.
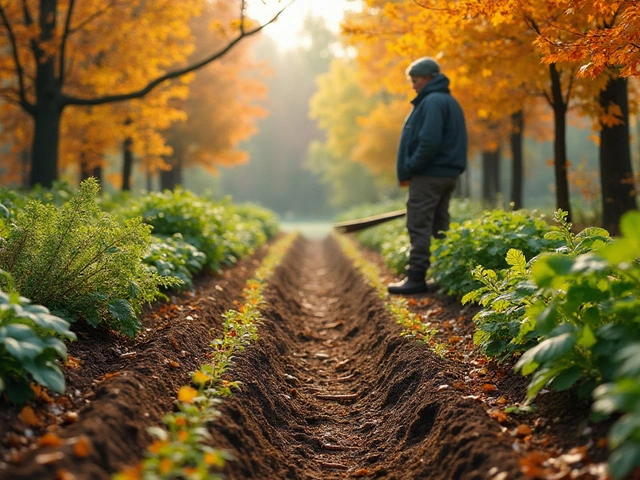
(85, 172)
(49, 102)
(616, 171)
(490, 176)
(25, 160)
(97, 173)
(560, 142)
(517, 135)
(149, 180)
(127, 163)
(44, 160)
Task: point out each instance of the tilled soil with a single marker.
(331, 389)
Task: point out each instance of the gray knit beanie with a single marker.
(423, 67)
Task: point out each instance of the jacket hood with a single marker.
(439, 83)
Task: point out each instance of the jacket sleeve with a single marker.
(430, 136)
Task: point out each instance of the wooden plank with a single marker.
(362, 223)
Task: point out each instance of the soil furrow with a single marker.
(332, 390)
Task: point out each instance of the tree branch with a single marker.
(68, 100)
(92, 17)
(22, 94)
(63, 44)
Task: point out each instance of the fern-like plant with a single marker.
(80, 262)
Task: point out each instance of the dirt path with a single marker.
(332, 391)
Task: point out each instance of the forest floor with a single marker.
(330, 390)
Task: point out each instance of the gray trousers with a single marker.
(427, 216)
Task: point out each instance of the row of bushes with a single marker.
(566, 306)
(73, 257)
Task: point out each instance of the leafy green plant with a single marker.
(221, 230)
(485, 241)
(80, 262)
(30, 342)
(590, 332)
(503, 326)
(173, 257)
(622, 396)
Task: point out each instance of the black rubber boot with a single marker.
(408, 286)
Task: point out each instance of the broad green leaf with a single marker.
(590, 232)
(46, 373)
(630, 225)
(589, 263)
(25, 348)
(566, 379)
(621, 250)
(629, 357)
(516, 258)
(547, 320)
(587, 339)
(624, 459)
(549, 349)
(51, 322)
(624, 428)
(540, 379)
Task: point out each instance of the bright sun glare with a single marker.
(285, 31)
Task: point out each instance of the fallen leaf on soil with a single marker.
(499, 416)
(83, 447)
(459, 385)
(50, 440)
(502, 401)
(70, 417)
(488, 387)
(455, 339)
(73, 362)
(28, 417)
(363, 472)
(47, 458)
(62, 474)
(41, 394)
(111, 375)
(412, 302)
(522, 430)
(575, 455)
(174, 364)
(532, 465)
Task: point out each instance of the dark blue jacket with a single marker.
(434, 135)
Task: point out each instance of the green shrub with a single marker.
(173, 257)
(80, 262)
(29, 345)
(503, 326)
(221, 230)
(485, 241)
(589, 330)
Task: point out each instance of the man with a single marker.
(431, 155)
